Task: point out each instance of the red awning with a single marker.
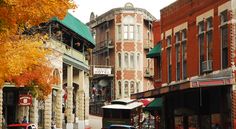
(145, 102)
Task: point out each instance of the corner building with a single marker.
(197, 65)
(124, 36)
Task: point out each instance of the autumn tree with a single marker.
(22, 56)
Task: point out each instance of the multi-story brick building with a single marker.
(124, 37)
(197, 65)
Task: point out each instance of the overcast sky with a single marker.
(85, 7)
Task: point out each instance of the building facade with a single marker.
(197, 51)
(124, 36)
(68, 104)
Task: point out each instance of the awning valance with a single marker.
(156, 51)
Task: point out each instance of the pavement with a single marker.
(95, 122)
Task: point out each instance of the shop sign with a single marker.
(105, 71)
(25, 100)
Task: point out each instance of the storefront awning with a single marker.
(154, 105)
(156, 51)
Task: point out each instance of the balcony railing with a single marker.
(103, 45)
(65, 49)
(148, 44)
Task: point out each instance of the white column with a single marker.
(48, 112)
(34, 111)
(81, 94)
(59, 109)
(86, 100)
(69, 106)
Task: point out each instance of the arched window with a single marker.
(119, 60)
(138, 61)
(119, 88)
(126, 88)
(126, 62)
(132, 90)
(137, 87)
(132, 60)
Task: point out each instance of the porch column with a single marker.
(1, 109)
(59, 109)
(69, 106)
(87, 100)
(34, 111)
(81, 96)
(233, 107)
(48, 112)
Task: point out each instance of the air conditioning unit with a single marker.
(207, 66)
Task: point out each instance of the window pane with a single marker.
(119, 60)
(126, 31)
(126, 89)
(131, 32)
(126, 60)
(120, 89)
(131, 87)
(119, 32)
(132, 60)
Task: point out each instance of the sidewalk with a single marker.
(95, 122)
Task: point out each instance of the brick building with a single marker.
(196, 55)
(124, 37)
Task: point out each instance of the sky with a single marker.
(85, 7)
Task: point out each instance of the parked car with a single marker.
(22, 126)
(121, 127)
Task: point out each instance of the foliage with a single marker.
(23, 59)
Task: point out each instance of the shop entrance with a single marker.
(201, 108)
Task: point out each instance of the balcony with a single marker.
(104, 45)
(148, 44)
(207, 66)
(149, 72)
(97, 71)
(68, 51)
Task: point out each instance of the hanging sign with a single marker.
(25, 100)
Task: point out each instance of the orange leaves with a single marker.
(39, 77)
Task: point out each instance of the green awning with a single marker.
(156, 104)
(76, 26)
(156, 51)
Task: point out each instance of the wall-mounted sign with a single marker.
(25, 100)
(105, 71)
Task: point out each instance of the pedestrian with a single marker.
(24, 120)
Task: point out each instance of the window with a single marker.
(119, 32)
(201, 27)
(132, 60)
(132, 87)
(184, 60)
(119, 60)
(178, 62)
(201, 46)
(169, 62)
(126, 60)
(224, 39)
(138, 61)
(209, 38)
(128, 32)
(184, 35)
(224, 44)
(138, 32)
(168, 41)
(126, 89)
(137, 86)
(120, 89)
(177, 37)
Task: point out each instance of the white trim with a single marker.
(168, 33)
(181, 27)
(204, 16)
(223, 7)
